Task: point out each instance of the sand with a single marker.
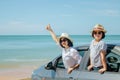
(19, 73)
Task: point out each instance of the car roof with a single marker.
(116, 47)
(86, 46)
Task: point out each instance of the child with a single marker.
(98, 50)
(70, 56)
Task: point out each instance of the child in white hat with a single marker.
(98, 50)
(70, 56)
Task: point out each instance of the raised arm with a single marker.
(55, 38)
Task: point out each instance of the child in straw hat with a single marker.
(70, 56)
(98, 50)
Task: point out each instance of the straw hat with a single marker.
(99, 27)
(65, 35)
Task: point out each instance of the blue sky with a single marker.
(29, 17)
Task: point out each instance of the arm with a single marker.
(75, 66)
(72, 68)
(90, 66)
(102, 56)
(90, 61)
(75, 55)
(103, 60)
(55, 38)
(78, 58)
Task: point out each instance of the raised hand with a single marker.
(48, 27)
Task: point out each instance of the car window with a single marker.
(113, 62)
(81, 53)
(60, 61)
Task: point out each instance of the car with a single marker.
(55, 70)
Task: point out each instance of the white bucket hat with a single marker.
(65, 35)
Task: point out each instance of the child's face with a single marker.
(64, 42)
(97, 35)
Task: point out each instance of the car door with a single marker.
(61, 72)
(113, 71)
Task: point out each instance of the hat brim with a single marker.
(99, 30)
(64, 37)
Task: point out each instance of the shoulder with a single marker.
(103, 45)
(102, 42)
(73, 49)
(92, 41)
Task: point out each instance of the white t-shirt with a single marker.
(70, 57)
(95, 52)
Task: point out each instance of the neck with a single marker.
(66, 47)
(97, 40)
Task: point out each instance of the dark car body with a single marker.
(55, 70)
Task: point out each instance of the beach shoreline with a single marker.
(18, 72)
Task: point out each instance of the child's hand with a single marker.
(102, 70)
(48, 27)
(69, 70)
(89, 67)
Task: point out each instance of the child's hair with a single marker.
(103, 34)
(70, 44)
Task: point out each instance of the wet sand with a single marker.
(16, 74)
(18, 71)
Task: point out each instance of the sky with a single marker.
(75, 17)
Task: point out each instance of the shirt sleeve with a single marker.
(76, 56)
(103, 46)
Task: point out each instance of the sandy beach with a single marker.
(17, 73)
(19, 70)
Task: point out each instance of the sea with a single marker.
(19, 50)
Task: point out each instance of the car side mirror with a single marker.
(112, 59)
(49, 66)
(113, 64)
